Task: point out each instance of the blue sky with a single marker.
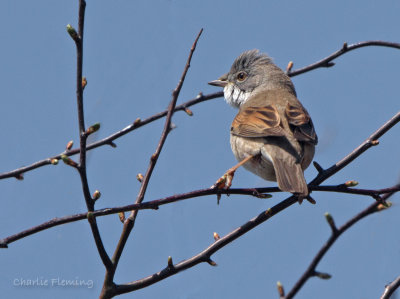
(134, 55)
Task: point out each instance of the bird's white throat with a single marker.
(234, 96)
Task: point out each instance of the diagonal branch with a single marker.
(391, 288)
(370, 141)
(109, 140)
(130, 221)
(311, 270)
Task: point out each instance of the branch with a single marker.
(327, 61)
(155, 204)
(311, 270)
(16, 173)
(391, 288)
(205, 255)
(200, 98)
(322, 175)
(372, 140)
(108, 285)
(83, 134)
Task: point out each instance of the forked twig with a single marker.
(109, 287)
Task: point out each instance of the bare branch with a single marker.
(108, 286)
(370, 141)
(327, 61)
(109, 140)
(155, 204)
(81, 167)
(391, 288)
(311, 270)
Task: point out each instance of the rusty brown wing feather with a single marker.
(257, 122)
(303, 128)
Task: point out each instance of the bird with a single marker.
(272, 135)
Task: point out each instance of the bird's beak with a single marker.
(221, 81)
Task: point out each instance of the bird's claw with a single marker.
(224, 182)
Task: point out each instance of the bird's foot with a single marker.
(225, 181)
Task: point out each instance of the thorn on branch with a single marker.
(384, 206)
(281, 290)
(216, 236)
(374, 142)
(172, 126)
(329, 64)
(137, 122)
(261, 195)
(170, 262)
(322, 275)
(331, 223)
(67, 160)
(211, 262)
(199, 96)
(121, 216)
(311, 200)
(351, 183)
(318, 167)
(84, 82)
(139, 177)
(383, 203)
(19, 177)
(344, 48)
(289, 67)
(92, 129)
(96, 195)
(188, 111)
(72, 32)
(112, 144)
(69, 145)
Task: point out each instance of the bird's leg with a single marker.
(225, 182)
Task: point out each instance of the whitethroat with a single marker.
(272, 135)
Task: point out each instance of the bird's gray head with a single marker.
(250, 72)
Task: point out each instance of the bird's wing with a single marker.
(301, 123)
(257, 122)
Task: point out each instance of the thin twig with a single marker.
(370, 141)
(109, 286)
(391, 288)
(83, 137)
(327, 61)
(205, 255)
(311, 270)
(109, 139)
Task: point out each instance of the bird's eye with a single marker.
(241, 76)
